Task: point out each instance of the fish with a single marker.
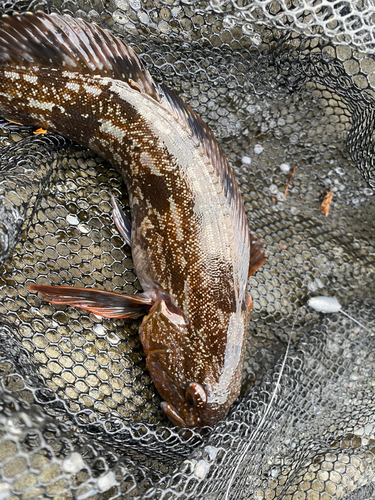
(189, 234)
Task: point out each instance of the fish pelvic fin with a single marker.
(99, 302)
(258, 255)
(122, 223)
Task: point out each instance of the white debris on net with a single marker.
(73, 463)
(330, 305)
(201, 469)
(285, 167)
(106, 481)
(274, 190)
(96, 486)
(258, 148)
(324, 304)
(5, 491)
(211, 451)
(17, 424)
(72, 219)
(99, 329)
(366, 433)
(83, 228)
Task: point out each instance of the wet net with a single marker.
(289, 89)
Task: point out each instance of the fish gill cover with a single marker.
(288, 89)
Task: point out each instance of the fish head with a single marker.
(189, 400)
(183, 407)
(161, 334)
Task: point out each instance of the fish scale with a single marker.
(189, 234)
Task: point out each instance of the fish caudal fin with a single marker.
(99, 302)
(257, 255)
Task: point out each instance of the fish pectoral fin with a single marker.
(99, 302)
(121, 221)
(162, 328)
(257, 255)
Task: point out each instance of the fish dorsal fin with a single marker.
(198, 128)
(63, 41)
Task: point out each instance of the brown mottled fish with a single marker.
(189, 234)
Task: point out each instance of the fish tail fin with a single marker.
(258, 255)
(99, 302)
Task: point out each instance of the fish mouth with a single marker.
(173, 415)
(189, 420)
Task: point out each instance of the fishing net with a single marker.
(288, 88)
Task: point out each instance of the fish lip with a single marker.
(173, 415)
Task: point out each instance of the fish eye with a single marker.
(189, 397)
(195, 394)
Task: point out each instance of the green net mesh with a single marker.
(288, 88)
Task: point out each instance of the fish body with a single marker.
(189, 234)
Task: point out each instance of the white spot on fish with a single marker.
(90, 89)
(30, 78)
(69, 74)
(5, 94)
(44, 105)
(118, 158)
(178, 221)
(73, 86)
(12, 75)
(111, 129)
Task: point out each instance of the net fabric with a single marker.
(80, 417)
